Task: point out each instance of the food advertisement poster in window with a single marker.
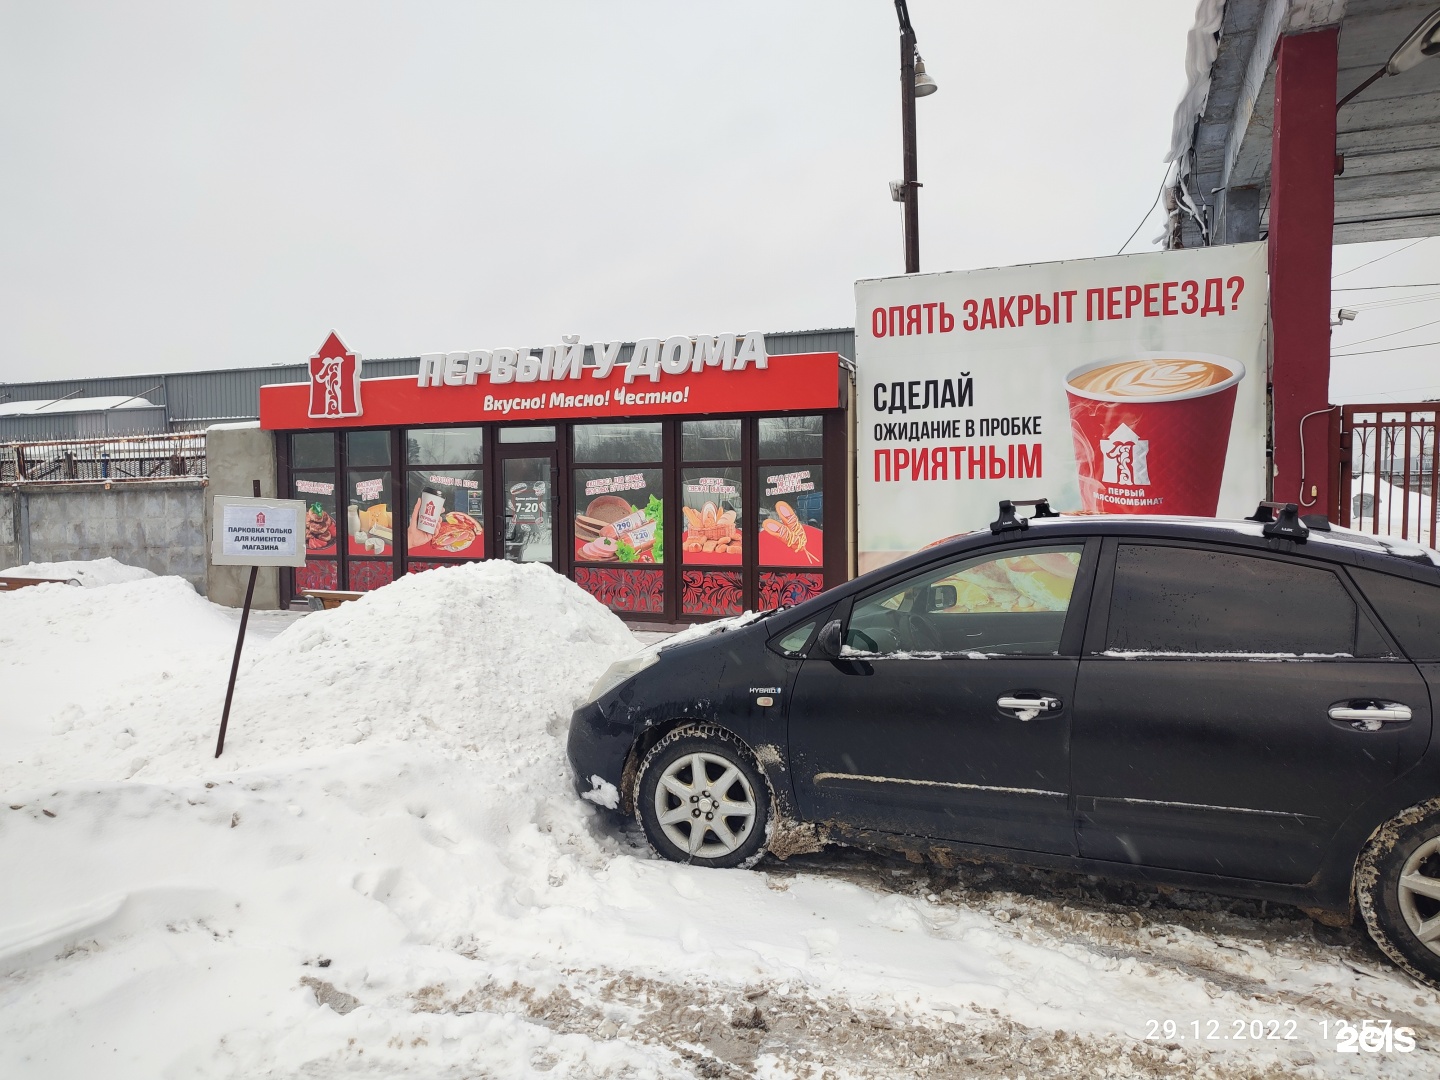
(713, 517)
(445, 511)
(620, 516)
(792, 515)
(369, 517)
(1133, 384)
(321, 529)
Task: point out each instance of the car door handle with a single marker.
(1370, 715)
(1027, 708)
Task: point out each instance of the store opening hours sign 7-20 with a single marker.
(258, 532)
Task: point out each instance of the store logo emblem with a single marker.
(1127, 458)
(260, 518)
(334, 381)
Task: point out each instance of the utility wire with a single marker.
(1371, 288)
(1392, 348)
(1398, 301)
(1146, 216)
(1393, 333)
(1387, 255)
(1408, 389)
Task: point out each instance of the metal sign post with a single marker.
(253, 532)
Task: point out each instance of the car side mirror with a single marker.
(942, 598)
(829, 641)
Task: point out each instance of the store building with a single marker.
(674, 480)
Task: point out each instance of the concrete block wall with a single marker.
(9, 545)
(159, 525)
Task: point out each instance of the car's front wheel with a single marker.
(702, 800)
(1397, 886)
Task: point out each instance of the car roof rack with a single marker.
(1286, 524)
(1009, 521)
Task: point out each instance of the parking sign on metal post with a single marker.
(253, 532)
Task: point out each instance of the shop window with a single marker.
(444, 506)
(313, 480)
(367, 448)
(314, 450)
(710, 440)
(791, 514)
(637, 592)
(790, 437)
(317, 574)
(617, 442)
(444, 513)
(531, 434)
(713, 516)
(322, 527)
(619, 515)
(367, 574)
(779, 589)
(445, 446)
(369, 514)
(712, 592)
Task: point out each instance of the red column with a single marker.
(1302, 217)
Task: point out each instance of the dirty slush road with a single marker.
(1223, 946)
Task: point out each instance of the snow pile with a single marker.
(488, 659)
(92, 573)
(72, 660)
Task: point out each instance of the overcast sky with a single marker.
(207, 185)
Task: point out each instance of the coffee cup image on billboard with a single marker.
(1151, 431)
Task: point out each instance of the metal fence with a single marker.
(1388, 470)
(117, 459)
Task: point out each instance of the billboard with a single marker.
(1126, 385)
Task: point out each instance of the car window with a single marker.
(1410, 609)
(1192, 601)
(793, 641)
(1013, 604)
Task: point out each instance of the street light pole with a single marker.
(911, 189)
(914, 82)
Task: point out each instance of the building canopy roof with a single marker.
(73, 405)
(1389, 135)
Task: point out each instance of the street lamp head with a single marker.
(1423, 42)
(924, 84)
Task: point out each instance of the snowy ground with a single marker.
(387, 874)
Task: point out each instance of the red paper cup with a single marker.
(1153, 453)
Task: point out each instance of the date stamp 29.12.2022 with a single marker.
(1343, 1036)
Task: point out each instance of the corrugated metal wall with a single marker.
(81, 425)
(193, 399)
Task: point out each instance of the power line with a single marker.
(1408, 389)
(1146, 217)
(1387, 255)
(1393, 333)
(1369, 288)
(1392, 348)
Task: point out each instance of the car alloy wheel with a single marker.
(1397, 888)
(1418, 890)
(701, 799)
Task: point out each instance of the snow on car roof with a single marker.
(1338, 534)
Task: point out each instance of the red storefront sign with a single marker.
(464, 391)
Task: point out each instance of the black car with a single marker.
(1243, 707)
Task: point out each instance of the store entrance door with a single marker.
(528, 506)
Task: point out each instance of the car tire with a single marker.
(683, 809)
(1397, 888)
